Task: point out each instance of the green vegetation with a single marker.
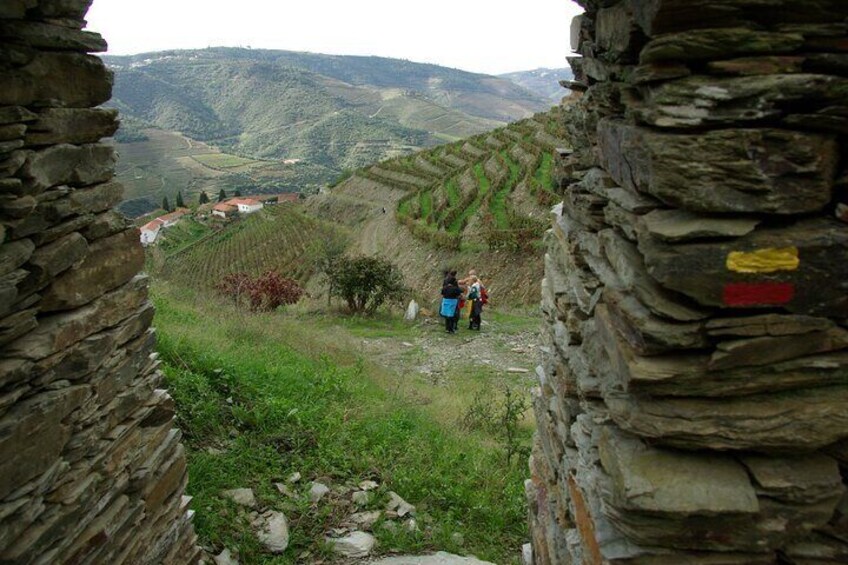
(276, 238)
(512, 173)
(256, 402)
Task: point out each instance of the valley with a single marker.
(298, 120)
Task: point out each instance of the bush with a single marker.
(264, 293)
(366, 283)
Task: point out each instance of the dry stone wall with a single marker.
(91, 468)
(693, 398)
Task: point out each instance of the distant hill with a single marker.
(330, 112)
(543, 82)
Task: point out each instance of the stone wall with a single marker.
(693, 398)
(91, 468)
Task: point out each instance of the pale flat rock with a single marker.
(361, 498)
(364, 520)
(440, 558)
(368, 485)
(317, 491)
(679, 225)
(225, 558)
(399, 505)
(274, 532)
(241, 496)
(357, 544)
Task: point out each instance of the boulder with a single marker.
(739, 170)
(110, 263)
(58, 78)
(274, 532)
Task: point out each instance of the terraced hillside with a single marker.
(276, 238)
(488, 190)
(481, 202)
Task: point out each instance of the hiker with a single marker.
(467, 282)
(478, 296)
(451, 294)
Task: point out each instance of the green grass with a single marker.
(256, 390)
(186, 232)
(425, 203)
(497, 206)
(483, 186)
(543, 174)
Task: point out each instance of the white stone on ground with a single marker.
(411, 311)
(294, 477)
(356, 544)
(274, 532)
(361, 498)
(527, 554)
(241, 496)
(368, 485)
(364, 520)
(225, 558)
(399, 505)
(440, 558)
(317, 491)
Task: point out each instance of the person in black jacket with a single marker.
(451, 293)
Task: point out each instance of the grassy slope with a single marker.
(271, 395)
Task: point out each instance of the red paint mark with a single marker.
(758, 294)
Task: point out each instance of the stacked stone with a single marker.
(91, 469)
(693, 405)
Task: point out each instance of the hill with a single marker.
(478, 203)
(330, 113)
(544, 82)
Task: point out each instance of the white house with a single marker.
(150, 231)
(246, 205)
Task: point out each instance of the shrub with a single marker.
(264, 293)
(366, 283)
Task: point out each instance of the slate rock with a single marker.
(241, 496)
(317, 491)
(679, 225)
(814, 282)
(700, 101)
(38, 34)
(717, 43)
(766, 325)
(68, 164)
(355, 545)
(274, 532)
(800, 420)
(739, 170)
(58, 79)
(72, 125)
(801, 479)
(110, 263)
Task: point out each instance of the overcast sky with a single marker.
(489, 36)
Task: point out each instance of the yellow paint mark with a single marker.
(764, 260)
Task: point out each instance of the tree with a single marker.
(366, 283)
(327, 252)
(222, 196)
(165, 204)
(180, 201)
(202, 199)
(237, 193)
(264, 293)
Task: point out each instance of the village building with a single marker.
(229, 208)
(149, 232)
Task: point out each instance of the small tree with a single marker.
(203, 199)
(237, 193)
(264, 293)
(165, 204)
(180, 201)
(222, 195)
(366, 283)
(328, 251)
